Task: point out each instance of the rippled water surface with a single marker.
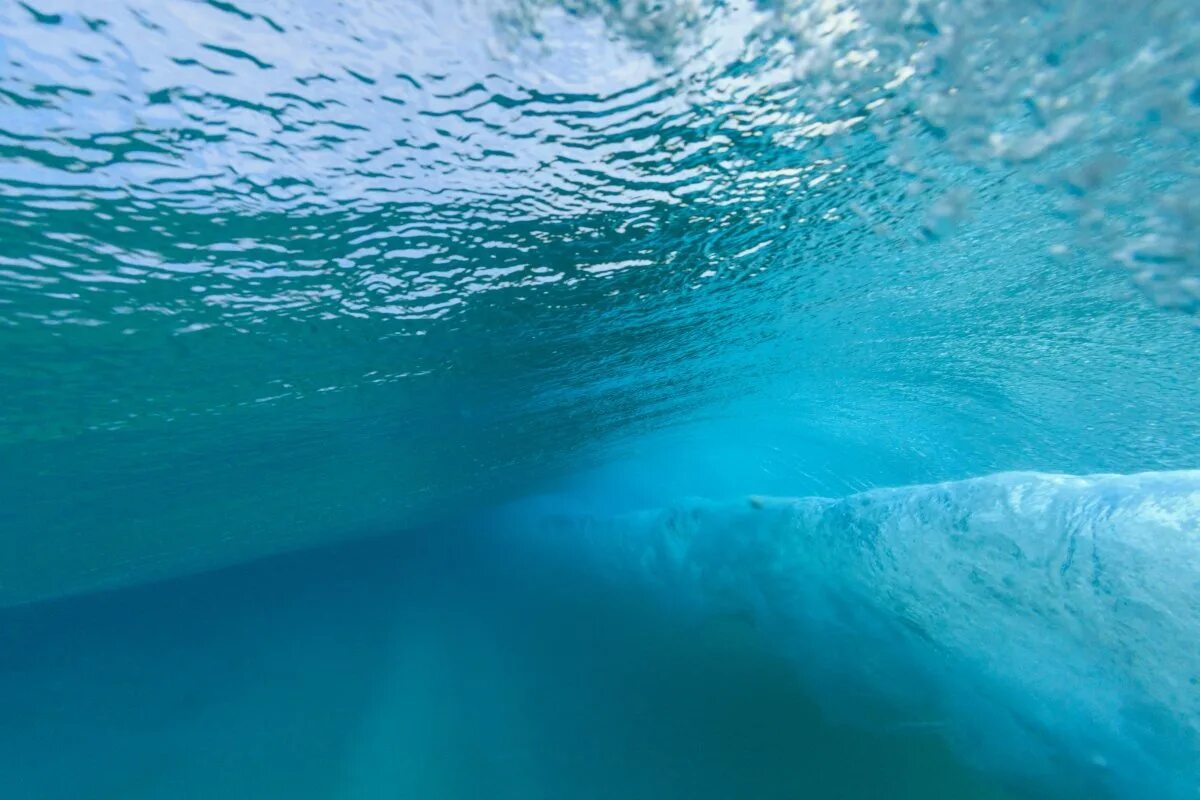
(281, 274)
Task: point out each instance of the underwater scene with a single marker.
(561, 399)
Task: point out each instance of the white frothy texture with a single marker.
(1048, 624)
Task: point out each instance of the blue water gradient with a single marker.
(535, 295)
(426, 666)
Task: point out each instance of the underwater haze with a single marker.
(599, 398)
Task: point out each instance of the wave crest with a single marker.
(1042, 619)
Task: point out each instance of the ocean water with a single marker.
(599, 398)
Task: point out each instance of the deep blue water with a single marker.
(598, 398)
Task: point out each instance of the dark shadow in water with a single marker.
(430, 667)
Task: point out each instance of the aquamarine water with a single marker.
(599, 398)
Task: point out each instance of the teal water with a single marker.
(520, 398)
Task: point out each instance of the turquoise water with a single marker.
(517, 398)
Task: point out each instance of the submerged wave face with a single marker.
(1046, 624)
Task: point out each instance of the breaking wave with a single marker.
(1045, 623)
